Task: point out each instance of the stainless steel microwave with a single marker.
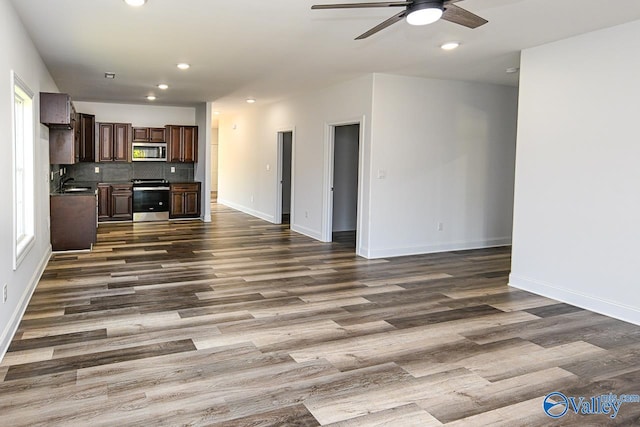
(149, 152)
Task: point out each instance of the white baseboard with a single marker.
(569, 296)
(249, 211)
(314, 234)
(442, 247)
(12, 326)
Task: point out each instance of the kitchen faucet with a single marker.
(63, 182)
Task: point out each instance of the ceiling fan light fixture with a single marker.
(424, 13)
(135, 3)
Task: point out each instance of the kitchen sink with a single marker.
(76, 189)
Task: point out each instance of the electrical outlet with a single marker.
(52, 173)
(251, 199)
(440, 226)
(97, 169)
(61, 171)
(306, 214)
(4, 293)
(173, 169)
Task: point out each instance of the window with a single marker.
(23, 170)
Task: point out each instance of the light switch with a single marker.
(268, 167)
(382, 174)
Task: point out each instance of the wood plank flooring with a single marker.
(244, 323)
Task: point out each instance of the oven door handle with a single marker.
(151, 188)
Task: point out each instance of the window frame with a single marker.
(24, 189)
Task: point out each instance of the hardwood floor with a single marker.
(245, 323)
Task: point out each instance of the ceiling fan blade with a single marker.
(463, 17)
(360, 5)
(383, 25)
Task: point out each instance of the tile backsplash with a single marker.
(121, 172)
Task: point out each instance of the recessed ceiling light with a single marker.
(512, 70)
(251, 101)
(183, 66)
(151, 98)
(163, 86)
(109, 75)
(450, 46)
(135, 3)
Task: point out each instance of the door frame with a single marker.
(327, 196)
(279, 151)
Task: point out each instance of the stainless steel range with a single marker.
(150, 200)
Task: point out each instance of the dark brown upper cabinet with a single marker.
(86, 137)
(75, 143)
(148, 134)
(114, 142)
(182, 144)
(56, 109)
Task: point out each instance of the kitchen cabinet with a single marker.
(182, 144)
(73, 221)
(56, 109)
(114, 142)
(148, 134)
(104, 202)
(62, 144)
(115, 202)
(85, 140)
(185, 200)
(75, 143)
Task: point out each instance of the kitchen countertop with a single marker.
(90, 189)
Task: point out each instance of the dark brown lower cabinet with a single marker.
(115, 202)
(73, 221)
(104, 202)
(185, 200)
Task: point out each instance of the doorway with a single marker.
(344, 188)
(285, 169)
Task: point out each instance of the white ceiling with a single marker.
(270, 49)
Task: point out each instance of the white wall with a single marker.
(577, 202)
(248, 152)
(19, 54)
(138, 115)
(446, 150)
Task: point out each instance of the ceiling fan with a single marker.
(416, 12)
